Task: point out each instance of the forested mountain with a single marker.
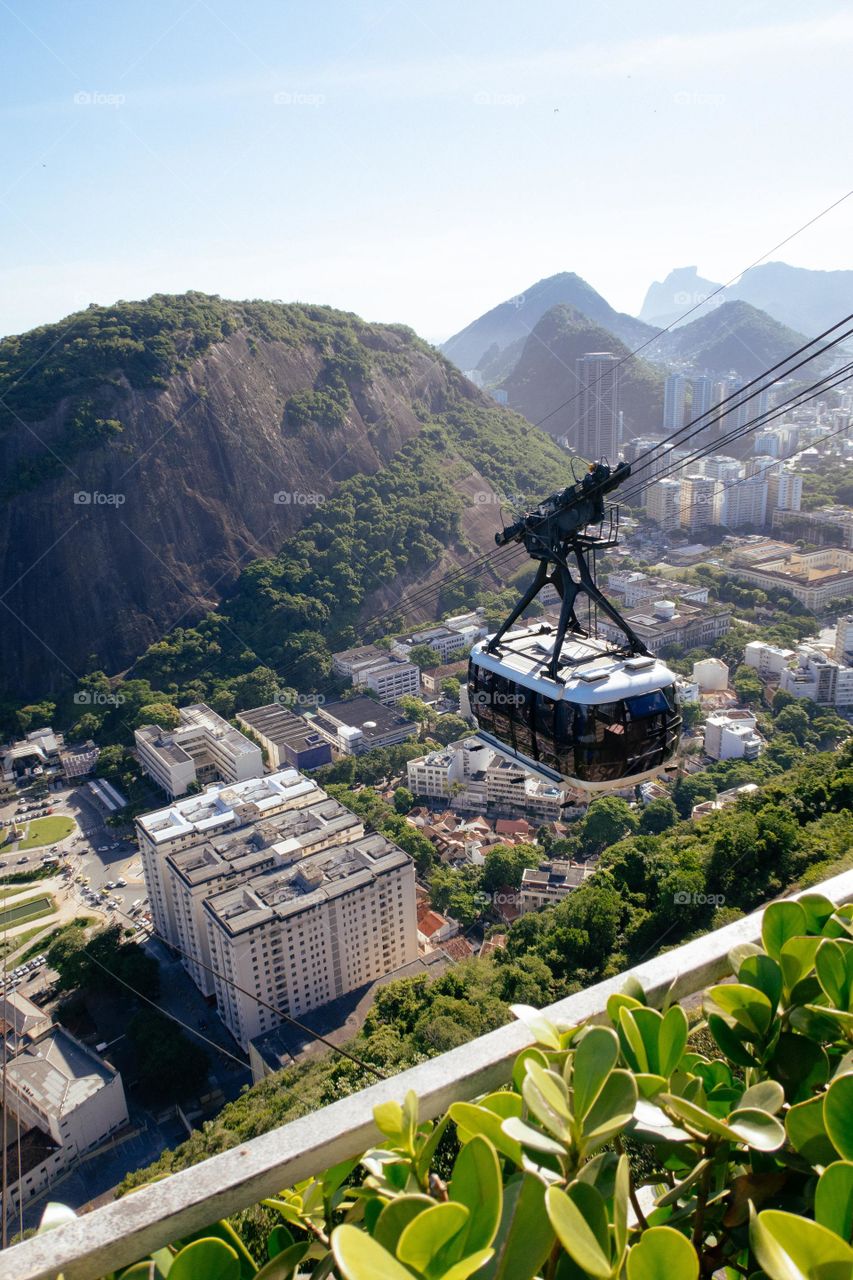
(478, 345)
(544, 375)
(808, 301)
(151, 452)
(734, 337)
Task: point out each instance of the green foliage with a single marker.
(102, 962)
(403, 800)
(170, 1065)
(608, 819)
(741, 1135)
(424, 656)
(658, 816)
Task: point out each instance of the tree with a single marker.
(450, 687)
(795, 721)
(608, 819)
(170, 1065)
(403, 800)
(449, 728)
(37, 715)
(689, 791)
(781, 699)
(159, 713)
(658, 816)
(505, 864)
(414, 709)
(691, 714)
(424, 656)
(747, 686)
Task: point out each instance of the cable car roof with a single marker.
(590, 672)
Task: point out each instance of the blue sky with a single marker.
(411, 162)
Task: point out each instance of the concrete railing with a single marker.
(125, 1230)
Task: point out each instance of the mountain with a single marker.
(513, 321)
(807, 301)
(544, 375)
(152, 451)
(734, 337)
(682, 289)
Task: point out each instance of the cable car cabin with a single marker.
(610, 721)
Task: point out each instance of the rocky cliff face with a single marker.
(111, 535)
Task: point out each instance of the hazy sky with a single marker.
(411, 162)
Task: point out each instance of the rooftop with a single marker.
(372, 718)
(281, 726)
(58, 1073)
(215, 807)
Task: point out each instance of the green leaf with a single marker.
(524, 1237)
(430, 1147)
(730, 1042)
(590, 1203)
(799, 1065)
(519, 1069)
(476, 1183)
(663, 1254)
(279, 1238)
(749, 1007)
(672, 1039)
(428, 1235)
(503, 1104)
(697, 1117)
(140, 1271)
(763, 974)
(838, 1115)
(767, 1095)
(634, 988)
(781, 921)
(575, 1235)
(540, 1028)
(833, 972)
(758, 1129)
(283, 1265)
(467, 1266)
(806, 1130)
(631, 1040)
(548, 1098)
(833, 1201)
(595, 1057)
(471, 1119)
(524, 1134)
(797, 960)
(789, 1247)
(388, 1117)
(359, 1257)
(396, 1216)
(818, 910)
(621, 1192)
(619, 1000)
(206, 1259)
(612, 1109)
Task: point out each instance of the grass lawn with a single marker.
(31, 909)
(38, 947)
(42, 831)
(11, 945)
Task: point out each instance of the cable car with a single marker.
(596, 715)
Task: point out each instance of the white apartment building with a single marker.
(472, 777)
(67, 1101)
(388, 675)
(743, 502)
(784, 490)
(721, 467)
(816, 676)
(275, 886)
(767, 659)
(844, 639)
(193, 819)
(446, 640)
(731, 735)
(202, 748)
(308, 931)
(635, 587)
(663, 503)
(550, 882)
(711, 675)
(698, 496)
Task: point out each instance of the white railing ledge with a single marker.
(125, 1230)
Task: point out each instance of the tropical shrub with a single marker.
(634, 1150)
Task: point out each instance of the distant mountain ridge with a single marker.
(807, 301)
(732, 338)
(513, 321)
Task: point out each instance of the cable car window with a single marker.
(647, 704)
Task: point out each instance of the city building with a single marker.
(698, 494)
(769, 660)
(785, 490)
(674, 401)
(21, 1022)
(663, 503)
(742, 502)
(598, 426)
(703, 397)
(62, 1101)
(819, 677)
(79, 759)
(275, 895)
(711, 675)
(666, 623)
(826, 527)
(723, 799)
(649, 448)
(812, 577)
(720, 467)
(446, 640)
(288, 739)
(472, 777)
(550, 882)
(635, 588)
(202, 748)
(38, 752)
(844, 639)
(731, 735)
(433, 678)
(390, 676)
(360, 724)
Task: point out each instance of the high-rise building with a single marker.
(698, 495)
(703, 396)
(784, 489)
(742, 502)
(648, 448)
(663, 503)
(201, 748)
(598, 432)
(674, 401)
(720, 467)
(844, 640)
